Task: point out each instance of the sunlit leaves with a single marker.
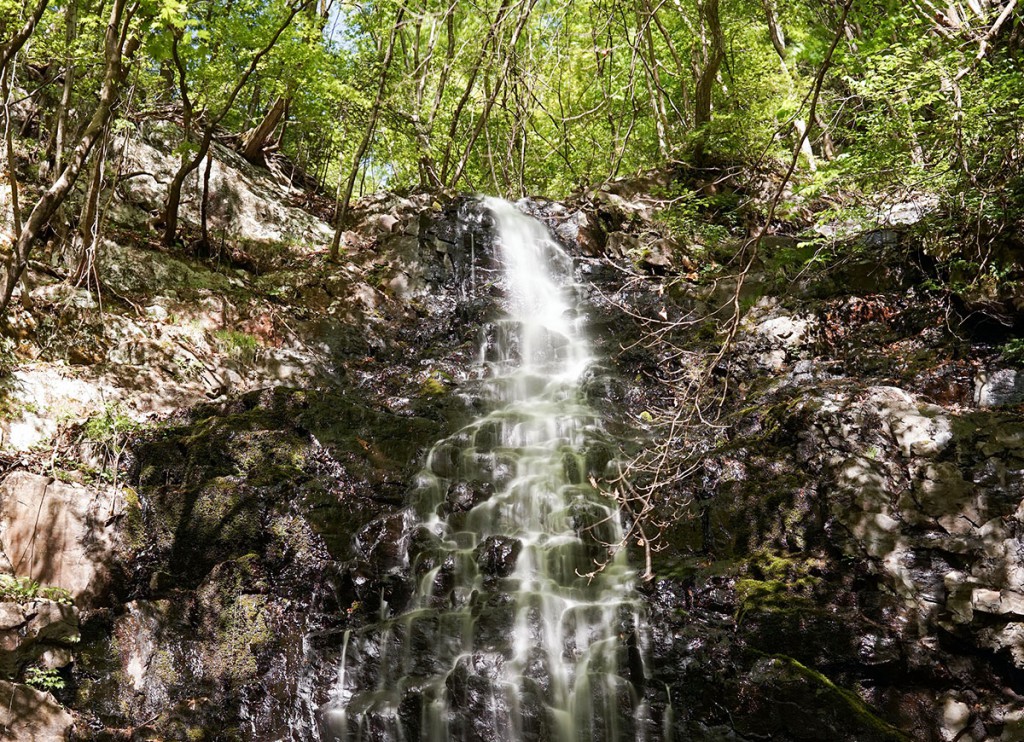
(173, 13)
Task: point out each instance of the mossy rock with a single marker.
(796, 702)
(223, 480)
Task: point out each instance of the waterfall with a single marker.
(511, 632)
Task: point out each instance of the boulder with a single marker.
(999, 388)
(497, 555)
(58, 534)
(29, 629)
(29, 715)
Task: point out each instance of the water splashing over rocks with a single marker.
(509, 633)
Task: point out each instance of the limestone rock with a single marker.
(57, 534)
(31, 629)
(36, 392)
(583, 231)
(661, 256)
(999, 388)
(918, 429)
(623, 245)
(29, 715)
(784, 330)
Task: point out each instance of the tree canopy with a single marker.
(536, 96)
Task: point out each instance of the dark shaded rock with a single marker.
(463, 496)
(30, 629)
(384, 543)
(494, 617)
(799, 703)
(497, 556)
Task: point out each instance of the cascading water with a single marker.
(511, 633)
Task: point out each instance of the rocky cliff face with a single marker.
(841, 559)
(222, 459)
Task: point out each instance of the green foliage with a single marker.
(44, 679)
(546, 98)
(701, 221)
(25, 589)
(236, 343)
(8, 361)
(1013, 351)
(109, 431)
(111, 426)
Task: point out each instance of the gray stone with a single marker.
(787, 331)
(999, 388)
(918, 429)
(956, 715)
(387, 223)
(622, 245)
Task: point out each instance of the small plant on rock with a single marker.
(109, 431)
(25, 589)
(238, 344)
(1013, 352)
(44, 679)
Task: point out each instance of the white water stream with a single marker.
(511, 633)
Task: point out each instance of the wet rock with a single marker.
(147, 661)
(571, 467)
(494, 618)
(597, 457)
(497, 556)
(488, 436)
(799, 703)
(582, 231)
(463, 496)
(445, 460)
(480, 707)
(384, 542)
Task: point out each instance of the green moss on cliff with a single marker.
(834, 700)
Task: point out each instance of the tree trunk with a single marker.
(503, 75)
(424, 128)
(343, 202)
(453, 128)
(173, 202)
(88, 228)
(775, 31)
(655, 88)
(714, 54)
(119, 44)
(677, 61)
(8, 152)
(12, 47)
(778, 38)
(255, 140)
(60, 129)
(204, 209)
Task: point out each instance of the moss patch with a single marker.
(809, 699)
